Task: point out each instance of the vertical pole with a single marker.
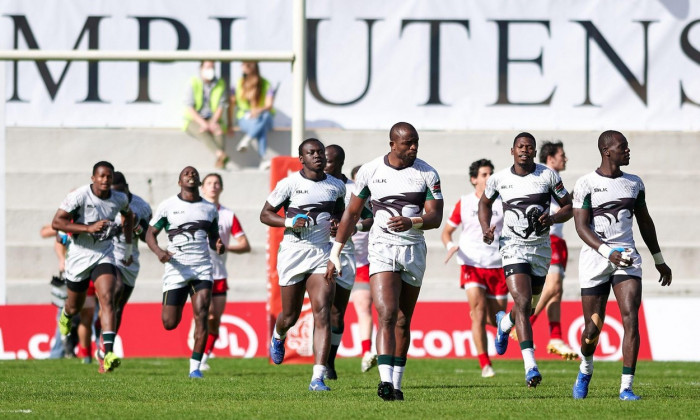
(3, 225)
(298, 75)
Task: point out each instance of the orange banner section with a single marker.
(300, 338)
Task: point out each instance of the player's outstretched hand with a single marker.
(399, 224)
(164, 256)
(127, 262)
(489, 235)
(665, 272)
(97, 226)
(451, 252)
(220, 247)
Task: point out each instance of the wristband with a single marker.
(290, 222)
(450, 245)
(360, 227)
(128, 251)
(334, 257)
(416, 222)
(605, 250)
(658, 258)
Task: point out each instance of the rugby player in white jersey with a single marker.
(481, 273)
(235, 240)
(406, 200)
(526, 190)
(312, 201)
(88, 213)
(191, 224)
(335, 158)
(552, 154)
(604, 203)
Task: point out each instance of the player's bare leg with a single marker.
(522, 290)
(321, 295)
(386, 291)
(593, 318)
(479, 313)
(85, 330)
(292, 298)
(551, 302)
(105, 285)
(407, 304)
(629, 298)
(216, 309)
(201, 300)
(340, 304)
(362, 301)
(122, 293)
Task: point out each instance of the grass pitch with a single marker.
(254, 389)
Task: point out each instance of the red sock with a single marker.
(484, 360)
(555, 330)
(366, 346)
(211, 339)
(533, 318)
(82, 352)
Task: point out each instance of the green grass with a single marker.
(237, 388)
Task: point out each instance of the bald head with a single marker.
(401, 129)
(607, 138)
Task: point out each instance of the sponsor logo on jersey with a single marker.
(379, 181)
(600, 189)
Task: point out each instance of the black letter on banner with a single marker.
(183, 43)
(504, 60)
(434, 75)
(693, 54)
(592, 33)
(91, 28)
(312, 61)
(226, 24)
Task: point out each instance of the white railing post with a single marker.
(298, 75)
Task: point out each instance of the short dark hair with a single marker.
(354, 171)
(526, 135)
(606, 137)
(221, 181)
(399, 128)
(309, 140)
(102, 163)
(474, 167)
(340, 153)
(119, 179)
(550, 148)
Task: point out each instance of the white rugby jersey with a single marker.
(612, 202)
(349, 247)
(86, 208)
(142, 215)
(188, 226)
(317, 199)
(361, 241)
(556, 229)
(522, 195)
(229, 227)
(397, 192)
(472, 249)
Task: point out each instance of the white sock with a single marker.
(398, 376)
(386, 373)
(586, 365)
(336, 339)
(319, 371)
(506, 323)
(205, 357)
(529, 358)
(626, 382)
(194, 365)
(277, 335)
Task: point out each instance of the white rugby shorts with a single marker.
(594, 269)
(295, 262)
(537, 256)
(129, 273)
(348, 271)
(79, 267)
(408, 260)
(179, 275)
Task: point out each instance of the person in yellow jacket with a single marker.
(252, 100)
(206, 101)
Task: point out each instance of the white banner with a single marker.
(443, 65)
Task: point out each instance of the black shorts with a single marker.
(100, 269)
(603, 289)
(178, 297)
(523, 268)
